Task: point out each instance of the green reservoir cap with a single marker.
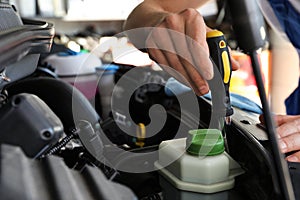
(205, 142)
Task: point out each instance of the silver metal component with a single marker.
(120, 118)
(150, 78)
(227, 122)
(3, 77)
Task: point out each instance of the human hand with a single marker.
(288, 129)
(179, 45)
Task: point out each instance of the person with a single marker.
(284, 17)
(182, 17)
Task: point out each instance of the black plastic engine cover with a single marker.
(26, 121)
(47, 179)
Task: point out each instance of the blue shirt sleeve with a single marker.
(289, 20)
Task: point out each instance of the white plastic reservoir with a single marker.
(196, 167)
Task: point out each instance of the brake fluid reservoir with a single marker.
(196, 166)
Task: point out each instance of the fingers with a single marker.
(261, 119)
(179, 42)
(288, 129)
(162, 48)
(197, 44)
(182, 46)
(287, 125)
(294, 157)
(282, 119)
(186, 53)
(234, 63)
(290, 143)
(289, 134)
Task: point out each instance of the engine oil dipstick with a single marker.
(140, 135)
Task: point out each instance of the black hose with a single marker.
(282, 176)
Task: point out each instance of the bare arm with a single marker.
(152, 12)
(176, 41)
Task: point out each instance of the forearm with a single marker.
(145, 15)
(150, 13)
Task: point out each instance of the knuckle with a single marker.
(291, 144)
(171, 20)
(297, 124)
(190, 12)
(203, 89)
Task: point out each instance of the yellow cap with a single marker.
(214, 33)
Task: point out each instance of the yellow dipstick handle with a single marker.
(219, 53)
(141, 135)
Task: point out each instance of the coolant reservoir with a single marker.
(196, 167)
